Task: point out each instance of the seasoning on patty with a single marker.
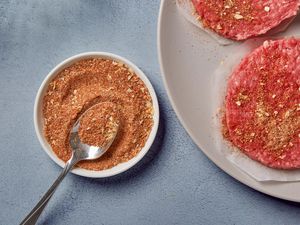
(242, 19)
(262, 105)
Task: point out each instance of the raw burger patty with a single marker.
(241, 19)
(262, 105)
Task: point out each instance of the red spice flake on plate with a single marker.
(85, 84)
(262, 105)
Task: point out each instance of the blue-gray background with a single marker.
(175, 184)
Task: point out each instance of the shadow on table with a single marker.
(282, 201)
(139, 170)
(263, 195)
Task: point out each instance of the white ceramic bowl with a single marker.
(39, 121)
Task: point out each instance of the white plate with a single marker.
(188, 58)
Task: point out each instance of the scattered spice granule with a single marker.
(86, 83)
(99, 125)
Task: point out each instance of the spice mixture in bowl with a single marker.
(116, 94)
(99, 124)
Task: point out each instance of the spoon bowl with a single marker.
(84, 151)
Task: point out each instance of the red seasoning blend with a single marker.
(99, 125)
(123, 96)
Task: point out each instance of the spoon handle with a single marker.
(33, 216)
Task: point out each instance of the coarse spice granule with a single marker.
(86, 83)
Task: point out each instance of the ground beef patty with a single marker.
(241, 19)
(262, 105)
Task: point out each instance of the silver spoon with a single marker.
(80, 151)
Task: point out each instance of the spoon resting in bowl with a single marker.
(80, 151)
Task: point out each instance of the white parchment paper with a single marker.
(186, 8)
(240, 160)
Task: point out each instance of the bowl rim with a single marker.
(38, 125)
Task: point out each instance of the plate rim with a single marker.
(190, 133)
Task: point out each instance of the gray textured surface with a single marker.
(175, 184)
